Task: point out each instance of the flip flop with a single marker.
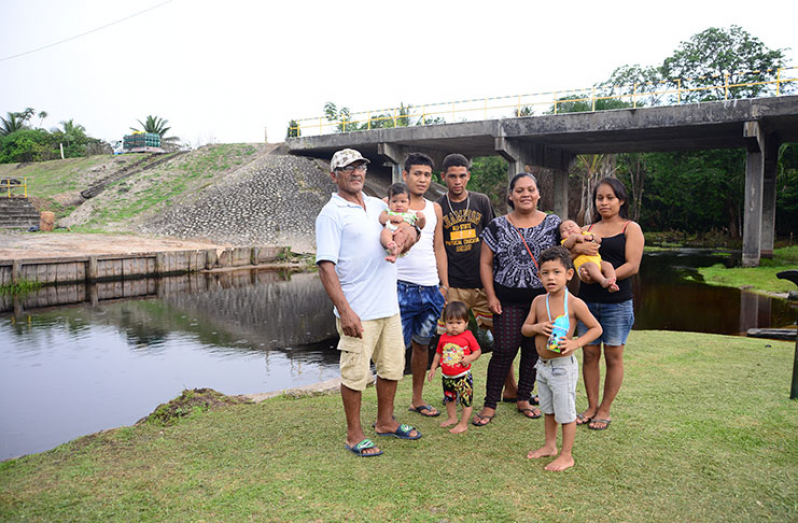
(489, 418)
(358, 449)
(606, 423)
(425, 408)
(533, 416)
(402, 432)
(581, 419)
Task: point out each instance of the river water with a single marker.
(71, 370)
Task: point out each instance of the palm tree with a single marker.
(72, 131)
(42, 115)
(11, 124)
(157, 125)
(27, 114)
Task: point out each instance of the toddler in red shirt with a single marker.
(457, 350)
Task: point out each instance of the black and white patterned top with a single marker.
(515, 275)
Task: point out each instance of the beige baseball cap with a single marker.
(346, 157)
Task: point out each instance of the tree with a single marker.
(11, 124)
(715, 53)
(72, 132)
(158, 125)
(25, 145)
(42, 115)
(641, 84)
(27, 114)
(293, 130)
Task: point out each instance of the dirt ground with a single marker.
(56, 245)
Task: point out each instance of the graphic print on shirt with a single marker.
(452, 354)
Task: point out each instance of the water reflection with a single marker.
(670, 295)
(71, 371)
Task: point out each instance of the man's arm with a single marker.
(486, 275)
(441, 262)
(350, 321)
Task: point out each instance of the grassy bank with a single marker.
(760, 279)
(702, 431)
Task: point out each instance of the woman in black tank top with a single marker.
(622, 246)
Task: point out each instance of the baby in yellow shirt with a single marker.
(600, 271)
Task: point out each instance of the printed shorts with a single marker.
(616, 320)
(556, 380)
(420, 306)
(381, 342)
(460, 388)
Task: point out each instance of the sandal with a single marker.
(533, 416)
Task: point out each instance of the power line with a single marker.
(86, 33)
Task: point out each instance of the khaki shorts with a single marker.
(476, 300)
(382, 342)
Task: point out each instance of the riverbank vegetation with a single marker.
(20, 288)
(758, 279)
(703, 430)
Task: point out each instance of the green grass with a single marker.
(702, 431)
(762, 278)
(21, 288)
(47, 179)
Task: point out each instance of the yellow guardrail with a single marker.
(665, 92)
(6, 186)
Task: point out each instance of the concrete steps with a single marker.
(17, 213)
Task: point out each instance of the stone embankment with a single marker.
(274, 200)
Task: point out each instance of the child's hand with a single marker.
(544, 328)
(431, 374)
(567, 346)
(396, 219)
(587, 237)
(419, 215)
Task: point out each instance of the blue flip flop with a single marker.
(403, 432)
(425, 408)
(358, 449)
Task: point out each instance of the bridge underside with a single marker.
(553, 141)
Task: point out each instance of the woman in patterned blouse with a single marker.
(509, 272)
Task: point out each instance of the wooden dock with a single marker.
(113, 267)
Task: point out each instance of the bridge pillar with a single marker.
(769, 197)
(760, 193)
(396, 155)
(520, 154)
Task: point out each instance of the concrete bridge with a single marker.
(553, 141)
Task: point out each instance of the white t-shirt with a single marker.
(349, 236)
(418, 265)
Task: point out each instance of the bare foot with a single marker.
(459, 428)
(448, 422)
(610, 285)
(561, 463)
(542, 452)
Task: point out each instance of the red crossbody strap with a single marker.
(525, 245)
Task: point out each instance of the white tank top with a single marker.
(418, 266)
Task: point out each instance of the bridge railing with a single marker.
(720, 86)
(9, 184)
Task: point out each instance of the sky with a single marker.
(240, 70)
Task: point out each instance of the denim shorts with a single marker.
(616, 320)
(420, 306)
(556, 379)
